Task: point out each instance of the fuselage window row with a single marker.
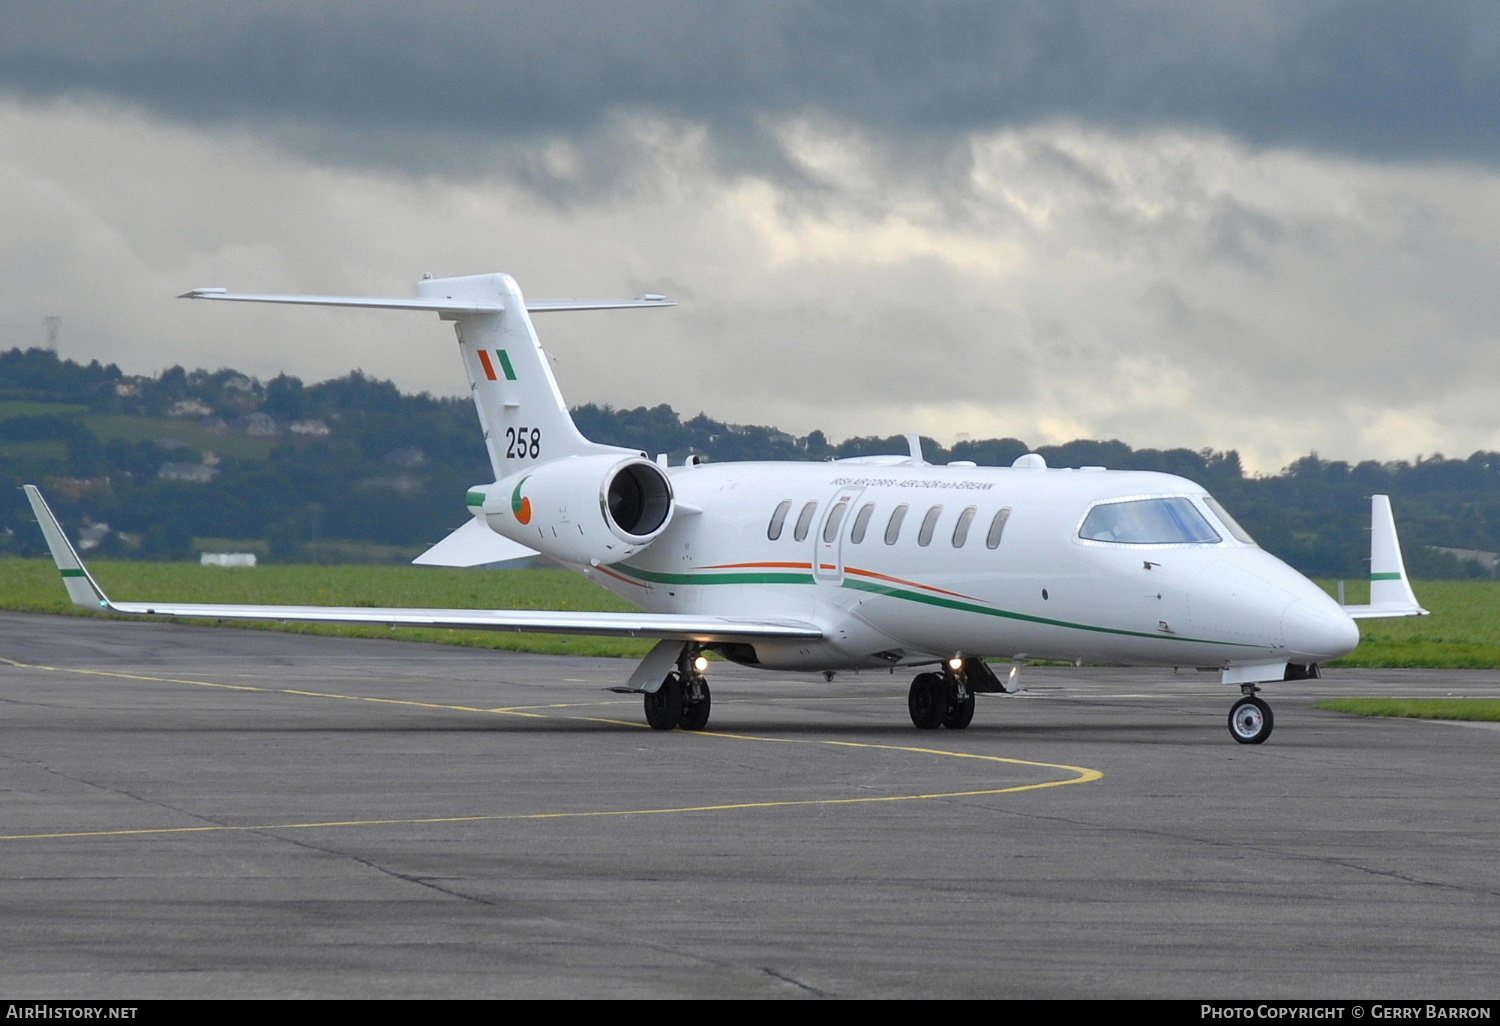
(892, 528)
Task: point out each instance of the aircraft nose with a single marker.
(1317, 630)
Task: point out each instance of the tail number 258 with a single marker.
(521, 443)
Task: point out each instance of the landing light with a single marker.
(955, 664)
(700, 664)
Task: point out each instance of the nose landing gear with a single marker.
(1250, 719)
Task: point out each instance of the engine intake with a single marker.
(638, 500)
(582, 509)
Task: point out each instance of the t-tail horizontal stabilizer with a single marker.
(1390, 589)
(440, 305)
(85, 591)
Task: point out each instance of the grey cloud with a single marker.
(380, 81)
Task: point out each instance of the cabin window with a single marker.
(1231, 524)
(778, 519)
(1167, 520)
(924, 536)
(861, 521)
(804, 520)
(893, 528)
(997, 528)
(835, 518)
(961, 529)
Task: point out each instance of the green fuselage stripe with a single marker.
(474, 499)
(969, 607)
(756, 577)
(1385, 577)
(657, 577)
(74, 573)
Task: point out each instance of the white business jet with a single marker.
(873, 562)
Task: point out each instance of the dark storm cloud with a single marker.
(1391, 80)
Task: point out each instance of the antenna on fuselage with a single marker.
(914, 444)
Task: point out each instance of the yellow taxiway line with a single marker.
(1082, 774)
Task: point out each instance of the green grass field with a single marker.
(1463, 632)
(34, 585)
(1485, 709)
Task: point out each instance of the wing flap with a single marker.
(670, 626)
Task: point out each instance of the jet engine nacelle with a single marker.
(582, 509)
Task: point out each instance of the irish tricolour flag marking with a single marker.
(489, 365)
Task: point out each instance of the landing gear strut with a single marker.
(1250, 719)
(683, 699)
(941, 700)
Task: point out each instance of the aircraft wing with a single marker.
(85, 591)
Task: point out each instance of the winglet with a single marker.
(82, 588)
(1390, 589)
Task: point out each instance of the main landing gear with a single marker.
(1250, 719)
(683, 700)
(941, 700)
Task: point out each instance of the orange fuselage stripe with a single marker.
(748, 566)
(909, 584)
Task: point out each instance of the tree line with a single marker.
(163, 460)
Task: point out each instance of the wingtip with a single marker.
(82, 588)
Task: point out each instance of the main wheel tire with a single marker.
(927, 701)
(1250, 721)
(664, 705)
(960, 714)
(695, 714)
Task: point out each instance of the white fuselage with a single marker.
(1041, 592)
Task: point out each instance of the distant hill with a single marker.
(354, 469)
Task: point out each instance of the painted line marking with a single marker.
(1083, 774)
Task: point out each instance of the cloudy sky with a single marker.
(1273, 227)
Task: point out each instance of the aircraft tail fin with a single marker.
(525, 419)
(523, 414)
(82, 588)
(1391, 594)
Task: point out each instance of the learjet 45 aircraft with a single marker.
(856, 564)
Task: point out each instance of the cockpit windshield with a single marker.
(1167, 520)
(1230, 524)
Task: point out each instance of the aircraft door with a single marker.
(828, 544)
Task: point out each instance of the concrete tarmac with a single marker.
(203, 812)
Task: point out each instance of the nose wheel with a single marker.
(1250, 721)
